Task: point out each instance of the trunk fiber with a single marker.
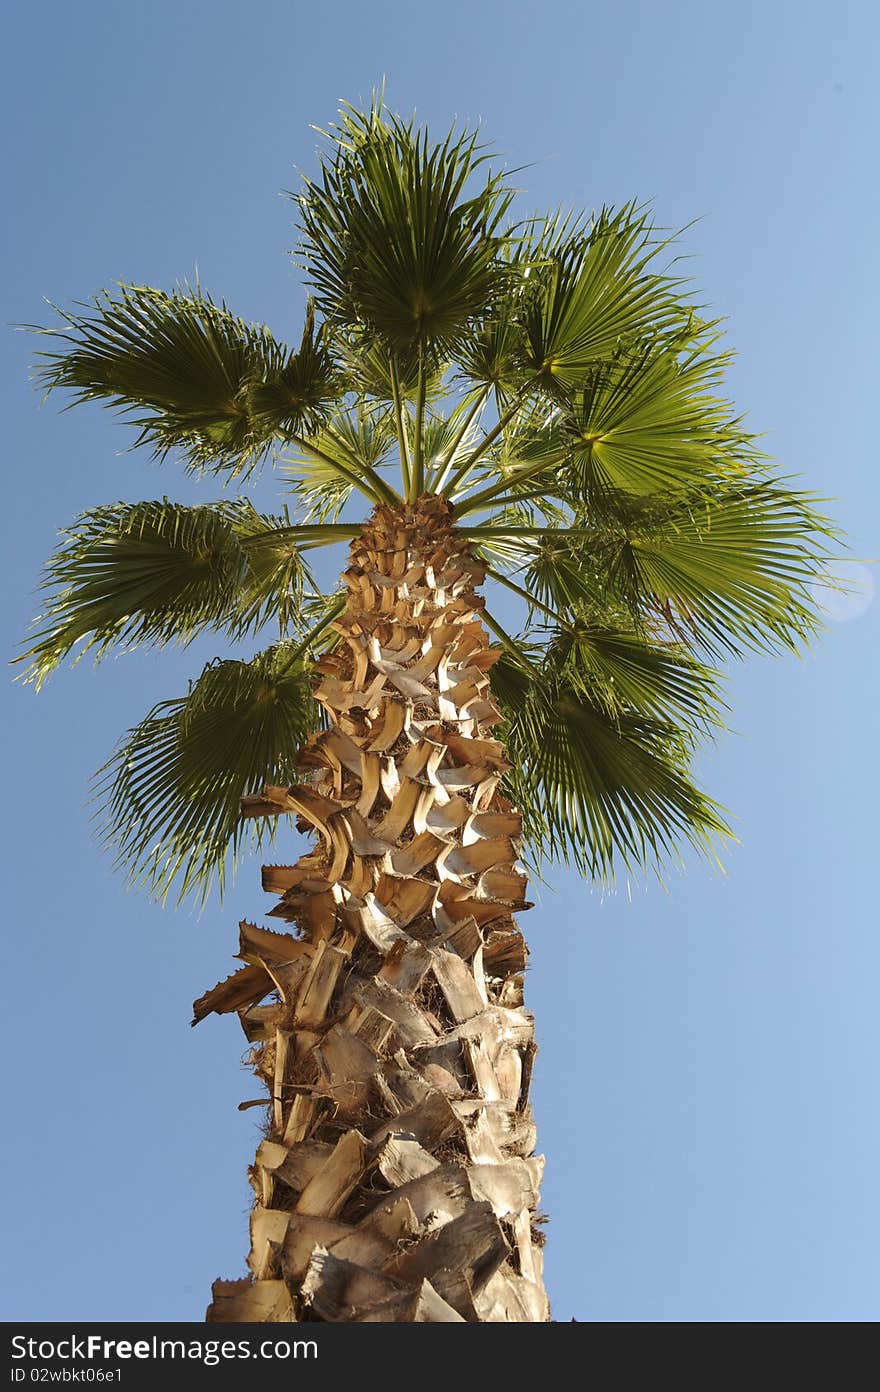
(397, 1180)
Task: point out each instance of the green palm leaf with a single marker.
(273, 585)
(527, 462)
(653, 424)
(368, 367)
(495, 352)
(130, 573)
(396, 239)
(190, 376)
(594, 292)
(628, 674)
(597, 788)
(159, 572)
(343, 456)
(297, 399)
(562, 580)
(733, 567)
(169, 797)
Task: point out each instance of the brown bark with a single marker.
(397, 1181)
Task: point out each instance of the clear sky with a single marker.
(708, 1077)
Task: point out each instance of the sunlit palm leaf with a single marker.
(449, 438)
(528, 462)
(596, 291)
(734, 567)
(562, 579)
(368, 367)
(628, 674)
(345, 454)
(169, 798)
(653, 424)
(495, 352)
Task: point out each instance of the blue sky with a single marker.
(707, 1082)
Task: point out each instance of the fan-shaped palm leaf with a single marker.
(369, 369)
(595, 292)
(344, 455)
(628, 674)
(651, 424)
(563, 581)
(732, 566)
(129, 573)
(159, 572)
(395, 239)
(169, 798)
(597, 788)
(191, 376)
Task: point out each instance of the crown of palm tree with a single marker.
(554, 383)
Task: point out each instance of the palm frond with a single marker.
(160, 572)
(564, 577)
(191, 376)
(399, 235)
(169, 797)
(345, 454)
(496, 352)
(447, 439)
(526, 460)
(627, 673)
(732, 567)
(595, 292)
(131, 573)
(297, 399)
(368, 368)
(273, 585)
(598, 789)
(652, 423)
(493, 354)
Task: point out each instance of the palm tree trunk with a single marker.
(397, 1180)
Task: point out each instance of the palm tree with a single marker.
(531, 404)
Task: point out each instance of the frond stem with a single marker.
(402, 441)
(418, 469)
(307, 534)
(505, 637)
(389, 495)
(524, 594)
(477, 533)
(477, 406)
(492, 435)
(324, 622)
(479, 500)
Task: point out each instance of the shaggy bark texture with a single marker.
(397, 1181)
